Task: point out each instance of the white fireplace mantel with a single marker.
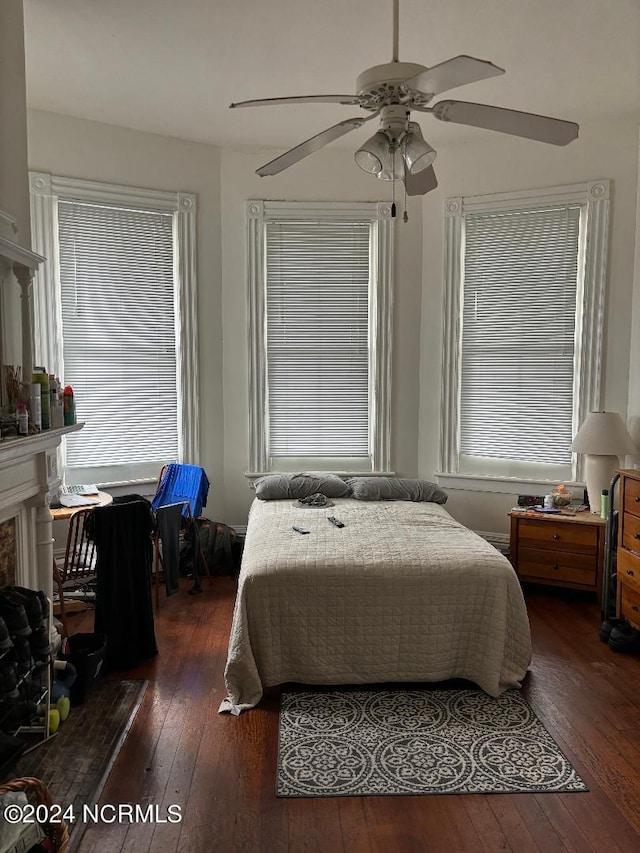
(21, 264)
(28, 473)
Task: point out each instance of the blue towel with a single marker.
(183, 484)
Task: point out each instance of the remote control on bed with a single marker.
(301, 529)
(335, 521)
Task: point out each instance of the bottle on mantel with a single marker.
(35, 403)
(23, 419)
(56, 408)
(69, 406)
(41, 376)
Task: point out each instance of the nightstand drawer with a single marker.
(629, 569)
(630, 603)
(563, 567)
(631, 532)
(578, 538)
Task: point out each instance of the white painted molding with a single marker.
(8, 227)
(187, 350)
(500, 485)
(21, 263)
(45, 191)
(256, 339)
(452, 274)
(16, 254)
(381, 328)
(47, 309)
(593, 198)
(515, 199)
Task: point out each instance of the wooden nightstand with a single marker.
(628, 573)
(560, 550)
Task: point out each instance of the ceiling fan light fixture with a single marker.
(372, 156)
(418, 154)
(392, 166)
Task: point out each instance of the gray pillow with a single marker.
(395, 489)
(276, 487)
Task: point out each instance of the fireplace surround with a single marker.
(28, 464)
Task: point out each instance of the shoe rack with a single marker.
(39, 669)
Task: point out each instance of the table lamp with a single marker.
(603, 438)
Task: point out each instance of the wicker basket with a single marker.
(38, 794)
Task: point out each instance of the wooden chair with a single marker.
(189, 525)
(78, 569)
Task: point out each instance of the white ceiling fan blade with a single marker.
(309, 146)
(454, 72)
(299, 99)
(420, 183)
(555, 131)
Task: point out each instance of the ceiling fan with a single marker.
(398, 151)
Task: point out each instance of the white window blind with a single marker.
(518, 334)
(119, 335)
(317, 338)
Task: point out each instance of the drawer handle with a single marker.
(636, 536)
(635, 608)
(555, 566)
(556, 535)
(638, 499)
(630, 572)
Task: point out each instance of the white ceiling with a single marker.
(173, 66)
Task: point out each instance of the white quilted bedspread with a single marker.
(403, 592)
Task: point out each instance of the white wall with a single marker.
(327, 175)
(14, 185)
(223, 181)
(496, 164)
(83, 149)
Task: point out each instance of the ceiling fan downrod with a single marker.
(396, 24)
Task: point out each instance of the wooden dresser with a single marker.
(628, 576)
(559, 550)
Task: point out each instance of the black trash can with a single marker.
(86, 653)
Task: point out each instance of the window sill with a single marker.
(500, 485)
(252, 475)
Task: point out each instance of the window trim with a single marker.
(593, 196)
(45, 191)
(258, 212)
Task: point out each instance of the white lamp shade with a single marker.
(373, 154)
(418, 154)
(603, 434)
(603, 437)
(392, 166)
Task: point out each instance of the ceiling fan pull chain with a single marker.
(405, 215)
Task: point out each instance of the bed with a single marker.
(401, 593)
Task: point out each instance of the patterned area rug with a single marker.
(355, 743)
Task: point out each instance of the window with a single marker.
(523, 330)
(114, 314)
(319, 329)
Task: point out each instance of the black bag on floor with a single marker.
(217, 544)
(86, 653)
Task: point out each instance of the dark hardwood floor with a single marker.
(221, 769)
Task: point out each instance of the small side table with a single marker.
(62, 513)
(559, 550)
